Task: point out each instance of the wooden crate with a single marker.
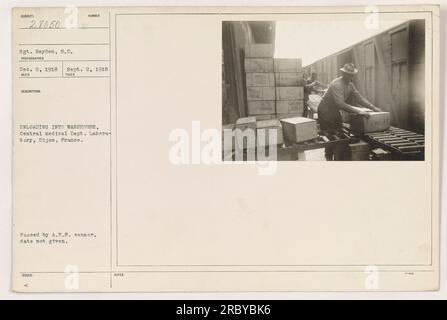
(299, 129)
(245, 127)
(260, 79)
(260, 93)
(378, 121)
(267, 126)
(226, 129)
(261, 107)
(289, 115)
(244, 123)
(260, 50)
(289, 93)
(346, 116)
(289, 106)
(258, 65)
(287, 65)
(260, 117)
(289, 79)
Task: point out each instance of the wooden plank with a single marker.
(378, 121)
(258, 65)
(261, 107)
(246, 122)
(382, 135)
(399, 144)
(260, 117)
(289, 106)
(260, 93)
(259, 50)
(260, 79)
(289, 93)
(287, 65)
(299, 129)
(410, 148)
(289, 79)
(288, 115)
(410, 136)
(387, 139)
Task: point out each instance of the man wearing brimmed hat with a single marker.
(340, 90)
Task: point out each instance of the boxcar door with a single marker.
(369, 71)
(399, 74)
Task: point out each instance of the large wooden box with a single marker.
(346, 116)
(258, 65)
(260, 93)
(378, 121)
(245, 133)
(289, 93)
(289, 106)
(266, 128)
(289, 79)
(245, 123)
(260, 107)
(287, 65)
(260, 50)
(260, 79)
(299, 129)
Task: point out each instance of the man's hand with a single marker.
(374, 108)
(365, 114)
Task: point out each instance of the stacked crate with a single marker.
(260, 81)
(289, 87)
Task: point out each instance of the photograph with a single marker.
(289, 93)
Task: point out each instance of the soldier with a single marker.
(340, 90)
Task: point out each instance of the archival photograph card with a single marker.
(226, 149)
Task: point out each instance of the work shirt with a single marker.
(335, 99)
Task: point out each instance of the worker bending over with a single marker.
(340, 90)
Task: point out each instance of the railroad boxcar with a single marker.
(391, 72)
